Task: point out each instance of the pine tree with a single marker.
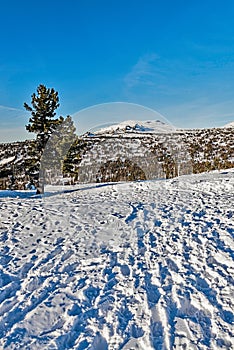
(55, 156)
(67, 144)
(42, 121)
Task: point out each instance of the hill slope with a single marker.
(128, 151)
(229, 125)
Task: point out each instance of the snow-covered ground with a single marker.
(143, 265)
(6, 160)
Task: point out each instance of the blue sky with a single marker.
(176, 57)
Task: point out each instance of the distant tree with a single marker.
(43, 121)
(120, 170)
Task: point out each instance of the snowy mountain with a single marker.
(229, 125)
(133, 126)
(129, 151)
(138, 265)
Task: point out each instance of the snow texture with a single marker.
(229, 125)
(141, 265)
(6, 160)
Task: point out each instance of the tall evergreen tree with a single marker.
(55, 157)
(43, 121)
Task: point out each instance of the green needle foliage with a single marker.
(43, 121)
(55, 155)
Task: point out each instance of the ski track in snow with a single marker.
(144, 265)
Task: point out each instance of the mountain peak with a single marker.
(136, 126)
(229, 125)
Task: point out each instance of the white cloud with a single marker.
(200, 113)
(142, 73)
(12, 116)
(12, 124)
(6, 108)
(14, 134)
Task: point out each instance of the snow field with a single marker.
(143, 265)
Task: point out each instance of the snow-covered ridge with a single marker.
(202, 150)
(229, 125)
(136, 126)
(7, 160)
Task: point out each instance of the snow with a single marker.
(6, 160)
(229, 125)
(141, 265)
(150, 126)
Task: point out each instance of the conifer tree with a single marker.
(55, 156)
(43, 121)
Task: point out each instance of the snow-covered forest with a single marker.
(125, 154)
